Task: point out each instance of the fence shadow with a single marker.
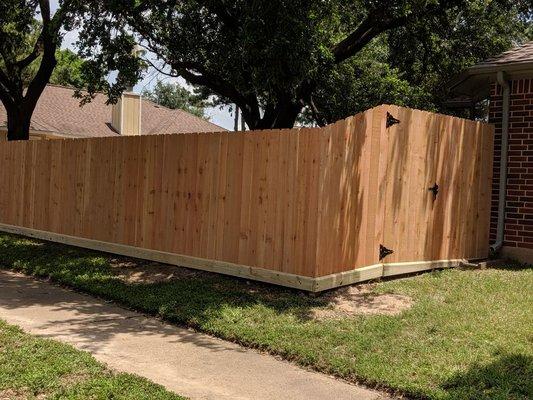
(191, 298)
(509, 265)
(509, 377)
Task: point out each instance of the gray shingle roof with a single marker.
(475, 81)
(518, 54)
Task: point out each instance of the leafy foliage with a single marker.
(30, 35)
(431, 51)
(411, 65)
(30, 39)
(172, 95)
(364, 81)
(67, 72)
(274, 59)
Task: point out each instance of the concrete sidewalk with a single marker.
(189, 363)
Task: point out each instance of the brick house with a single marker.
(507, 82)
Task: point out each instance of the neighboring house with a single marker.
(59, 115)
(507, 81)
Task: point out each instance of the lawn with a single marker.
(468, 334)
(36, 368)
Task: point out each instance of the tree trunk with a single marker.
(280, 116)
(20, 112)
(18, 123)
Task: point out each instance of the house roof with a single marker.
(522, 54)
(59, 112)
(475, 81)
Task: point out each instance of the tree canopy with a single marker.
(173, 95)
(275, 59)
(31, 34)
(67, 72)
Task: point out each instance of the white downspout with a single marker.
(502, 81)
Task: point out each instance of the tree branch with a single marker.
(6, 82)
(367, 30)
(49, 23)
(5, 96)
(44, 5)
(37, 48)
(316, 114)
(198, 75)
(158, 69)
(221, 10)
(48, 62)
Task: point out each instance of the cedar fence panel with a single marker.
(307, 207)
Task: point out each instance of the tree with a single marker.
(174, 96)
(410, 65)
(275, 58)
(363, 82)
(431, 52)
(20, 29)
(67, 72)
(30, 37)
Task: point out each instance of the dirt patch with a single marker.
(361, 300)
(10, 394)
(73, 379)
(139, 271)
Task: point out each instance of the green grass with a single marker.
(36, 368)
(468, 335)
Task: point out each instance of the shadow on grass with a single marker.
(510, 377)
(194, 300)
(509, 265)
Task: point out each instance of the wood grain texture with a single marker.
(310, 202)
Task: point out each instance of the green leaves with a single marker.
(276, 58)
(172, 95)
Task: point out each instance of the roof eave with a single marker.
(474, 81)
(522, 66)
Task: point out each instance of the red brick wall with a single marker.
(519, 199)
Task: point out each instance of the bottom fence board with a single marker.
(310, 284)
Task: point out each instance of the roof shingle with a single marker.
(59, 112)
(519, 54)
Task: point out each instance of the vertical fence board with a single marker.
(306, 201)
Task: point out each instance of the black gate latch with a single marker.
(384, 252)
(435, 190)
(391, 120)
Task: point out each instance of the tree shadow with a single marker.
(193, 298)
(510, 377)
(508, 265)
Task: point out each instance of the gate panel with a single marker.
(410, 160)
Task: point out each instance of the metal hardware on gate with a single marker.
(391, 120)
(384, 252)
(435, 190)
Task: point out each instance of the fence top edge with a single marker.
(383, 107)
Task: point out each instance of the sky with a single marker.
(221, 117)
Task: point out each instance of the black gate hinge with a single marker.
(435, 190)
(384, 252)
(391, 120)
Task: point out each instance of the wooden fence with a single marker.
(307, 207)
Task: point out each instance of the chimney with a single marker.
(126, 114)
